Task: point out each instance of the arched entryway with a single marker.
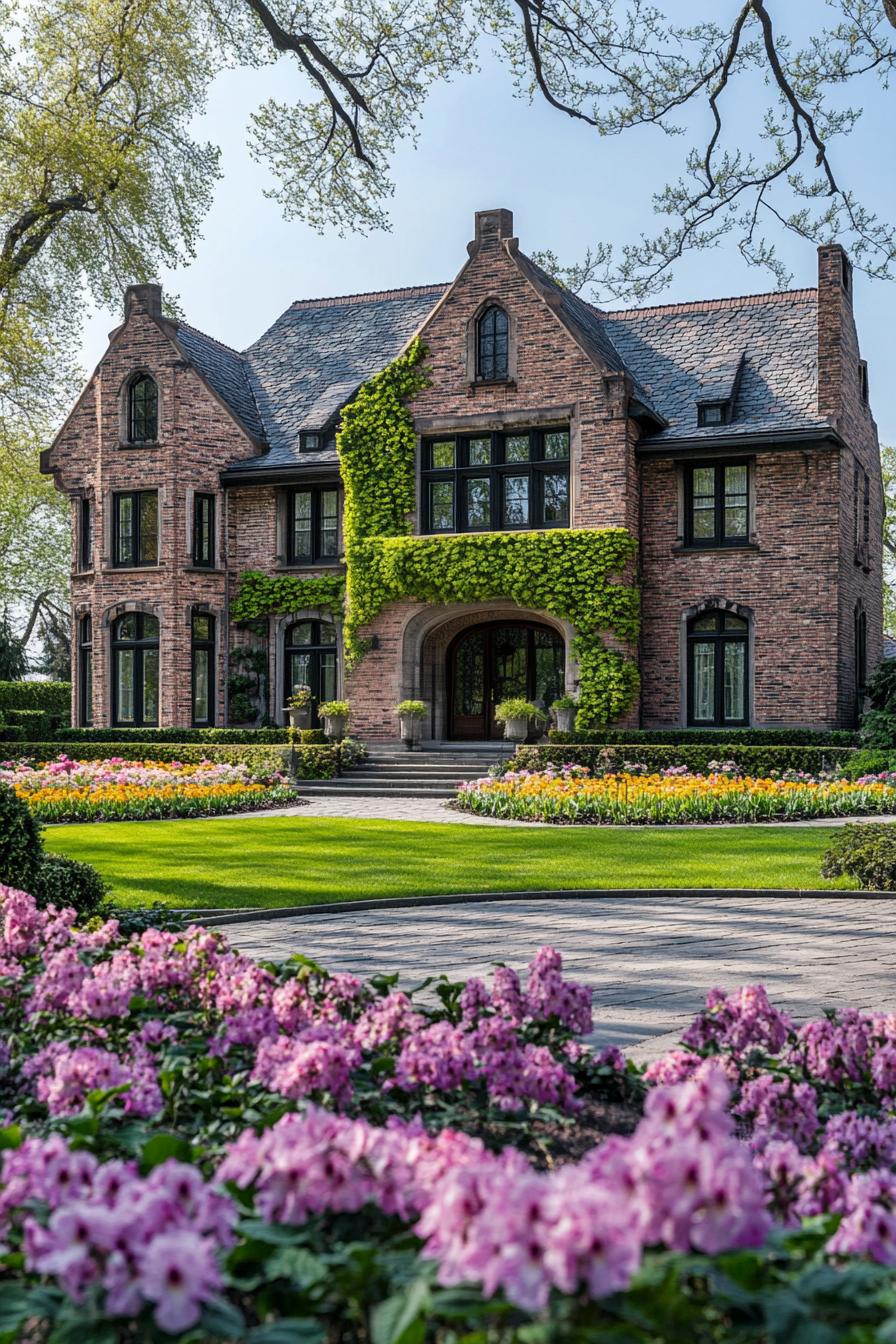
(495, 661)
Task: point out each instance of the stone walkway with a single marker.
(650, 960)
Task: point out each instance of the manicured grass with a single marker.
(271, 861)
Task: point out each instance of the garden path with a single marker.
(649, 960)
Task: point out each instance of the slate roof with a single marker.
(759, 349)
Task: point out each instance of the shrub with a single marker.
(751, 760)
(10, 734)
(518, 708)
(748, 737)
(53, 697)
(34, 723)
(334, 709)
(410, 709)
(241, 736)
(865, 853)
(866, 762)
(879, 723)
(21, 851)
(61, 881)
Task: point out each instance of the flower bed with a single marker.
(119, 790)
(201, 1147)
(571, 794)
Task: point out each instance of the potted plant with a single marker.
(515, 714)
(335, 714)
(298, 707)
(410, 717)
(565, 710)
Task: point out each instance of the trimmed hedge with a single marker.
(752, 760)
(34, 723)
(865, 853)
(749, 737)
(245, 736)
(311, 762)
(53, 697)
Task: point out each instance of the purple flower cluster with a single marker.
(738, 1022)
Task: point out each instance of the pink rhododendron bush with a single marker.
(201, 1147)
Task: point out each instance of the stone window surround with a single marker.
(107, 558)
(102, 650)
(124, 391)
(472, 341)
(276, 660)
(706, 605)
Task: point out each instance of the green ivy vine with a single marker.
(578, 575)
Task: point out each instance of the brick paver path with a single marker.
(650, 960)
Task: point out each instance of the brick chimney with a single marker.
(492, 227)
(836, 330)
(147, 298)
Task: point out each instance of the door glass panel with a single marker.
(704, 669)
(516, 448)
(200, 684)
(125, 684)
(516, 501)
(149, 528)
(469, 677)
(125, 506)
(150, 686)
(441, 506)
(478, 502)
(735, 679)
(556, 498)
(327, 676)
(479, 452)
(511, 649)
(556, 445)
(549, 668)
(443, 454)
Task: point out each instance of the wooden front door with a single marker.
(491, 663)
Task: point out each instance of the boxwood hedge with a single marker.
(748, 737)
(752, 760)
(53, 697)
(310, 762)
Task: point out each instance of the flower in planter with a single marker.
(301, 697)
(410, 709)
(518, 709)
(334, 709)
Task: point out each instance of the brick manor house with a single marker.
(732, 437)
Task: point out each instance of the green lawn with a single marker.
(273, 861)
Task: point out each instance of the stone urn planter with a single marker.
(517, 730)
(335, 715)
(299, 718)
(411, 714)
(565, 720)
(516, 715)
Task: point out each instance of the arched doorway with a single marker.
(494, 662)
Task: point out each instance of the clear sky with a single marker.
(480, 148)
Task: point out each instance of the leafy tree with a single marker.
(13, 663)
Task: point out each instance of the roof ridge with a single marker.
(706, 305)
(334, 300)
(197, 331)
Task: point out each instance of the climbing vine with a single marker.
(578, 575)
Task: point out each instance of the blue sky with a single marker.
(479, 148)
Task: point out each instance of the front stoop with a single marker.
(433, 771)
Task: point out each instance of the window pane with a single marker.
(735, 623)
(327, 676)
(150, 685)
(124, 659)
(327, 634)
(441, 506)
(516, 501)
(150, 627)
(201, 667)
(704, 665)
(516, 448)
(556, 497)
(556, 445)
(706, 623)
(736, 480)
(704, 482)
(443, 454)
(704, 523)
(329, 523)
(735, 521)
(299, 634)
(87, 685)
(126, 627)
(479, 502)
(202, 627)
(735, 679)
(149, 528)
(479, 452)
(124, 505)
(299, 671)
(301, 524)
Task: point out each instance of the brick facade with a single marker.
(810, 564)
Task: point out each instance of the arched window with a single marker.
(143, 410)
(491, 345)
(135, 671)
(718, 645)
(85, 672)
(310, 660)
(202, 650)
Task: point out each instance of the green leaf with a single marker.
(288, 1330)
(222, 1319)
(400, 1319)
(16, 1305)
(11, 1136)
(160, 1148)
(274, 1234)
(298, 1265)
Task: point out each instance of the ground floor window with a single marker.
(310, 659)
(717, 670)
(501, 661)
(135, 671)
(202, 661)
(860, 645)
(85, 671)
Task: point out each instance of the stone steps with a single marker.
(390, 772)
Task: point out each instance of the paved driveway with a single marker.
(650, 960)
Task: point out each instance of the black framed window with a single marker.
(202, 661)
(718, 650)
(860, 631)
(492, 344)
(143, 410)
(85, 672)
(135, 671)
(135, 528)
(313, 525)
(310, 659)
(712, 413)
(204, 530)
(85, 535)
(496, 482)
(717, 504)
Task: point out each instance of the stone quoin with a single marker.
(732, 437)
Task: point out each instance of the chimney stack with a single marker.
(146, 297)
(835, 326)
(492, 227)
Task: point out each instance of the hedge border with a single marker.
(750, 737)
(754, 760)
(312, 762)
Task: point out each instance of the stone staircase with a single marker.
(433, 771)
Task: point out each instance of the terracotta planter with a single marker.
(334, 726)
(565, 719)
(516, 730)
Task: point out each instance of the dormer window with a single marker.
(712, 413)
(310, 443)
(143, 410)
(492, 345)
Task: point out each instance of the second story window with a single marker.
(313, 526)
(85, 535)
(143, 410)
(204, 531)
(492, 345)
(717, 505)
(496, 482)
(135, 528)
